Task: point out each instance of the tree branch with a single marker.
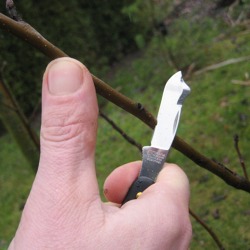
(222, 64)
(121, 132)
(239, 82)
(242, 162)
(15, 122)
(208, 229)
(27, 33)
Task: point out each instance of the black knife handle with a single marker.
(139, 185)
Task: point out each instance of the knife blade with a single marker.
(154, 156)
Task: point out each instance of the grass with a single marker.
(215, 111)
(15, 182)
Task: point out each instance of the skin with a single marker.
(64, 209)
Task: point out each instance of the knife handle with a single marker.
(138, 186)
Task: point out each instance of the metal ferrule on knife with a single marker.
(152, 162)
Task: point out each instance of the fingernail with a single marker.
(64, 77)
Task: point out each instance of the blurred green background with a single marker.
(136, 46)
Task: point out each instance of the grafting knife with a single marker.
(154, 156)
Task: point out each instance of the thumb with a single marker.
(65, 185)
(68, 130)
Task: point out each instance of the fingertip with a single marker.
(63, 60)
(118, 182)
(68, 98)
(65, 76)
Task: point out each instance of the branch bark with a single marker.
(242, 162)
(16, 124)
(27, 33)
(121, 132)
(222, 64)
(208, 229)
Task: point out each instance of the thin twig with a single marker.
(19, 112)
(34, 112)
(121, 132)
(222, 64)
(190, 70)
(30, 35)
(242, 162)
(242, 83)
(8, 106)
(208, 229)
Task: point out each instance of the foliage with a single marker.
(146, 15)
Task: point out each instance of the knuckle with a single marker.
(63, 126)
(60, 130)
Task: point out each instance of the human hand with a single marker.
(64, 209)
